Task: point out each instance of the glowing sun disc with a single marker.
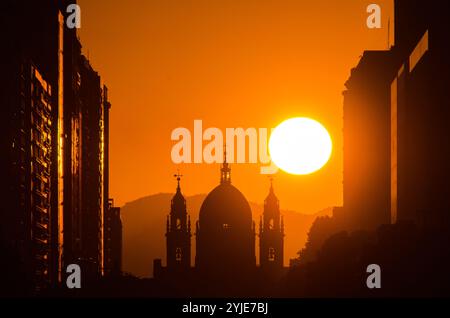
(300, 146)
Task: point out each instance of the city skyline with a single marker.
(360, 205)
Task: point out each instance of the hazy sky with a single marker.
(231, 63)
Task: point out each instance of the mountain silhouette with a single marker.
(144, 226)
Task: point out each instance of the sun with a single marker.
(300, 146)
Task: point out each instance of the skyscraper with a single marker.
(420, 114)
(54, 118)
(225, 260)
(29, 93)
(395, 117)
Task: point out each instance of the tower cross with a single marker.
(178, 176)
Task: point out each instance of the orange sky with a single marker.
(231, 63)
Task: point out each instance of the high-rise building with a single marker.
(178, 234)
(29, 90)
(27, 221)
(411, 20)
(367, 141)
(106, 200)
(225, 232)
(420, 114)
(92, 170)
(395, 117)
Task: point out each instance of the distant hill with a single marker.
(144, 226)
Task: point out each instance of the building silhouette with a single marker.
(420, 114)
(54, 133)
(27, 164)
(29, 94)
(395, 120)
(178, 234)
(92, 168)
(271, 235)
(366, 127)
(225, 260)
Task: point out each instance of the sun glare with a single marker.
(300, 146)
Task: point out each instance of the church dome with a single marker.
(225, 206)
(225, 231)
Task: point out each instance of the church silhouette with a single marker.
(225, 233)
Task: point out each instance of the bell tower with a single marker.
(271, 234)
(178, 233)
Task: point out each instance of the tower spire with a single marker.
(178, 236)
(225, 176)
(271, 184)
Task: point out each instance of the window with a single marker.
(178, 254)
(271, 224)
(226, 226)
(271, 254)
(178, 224)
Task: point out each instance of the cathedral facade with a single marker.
(225, 237)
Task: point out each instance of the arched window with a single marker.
(178, 224)
(178, 254)
(271, 226)
(271, 254)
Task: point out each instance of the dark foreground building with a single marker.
(54, 125)
(396, 119)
